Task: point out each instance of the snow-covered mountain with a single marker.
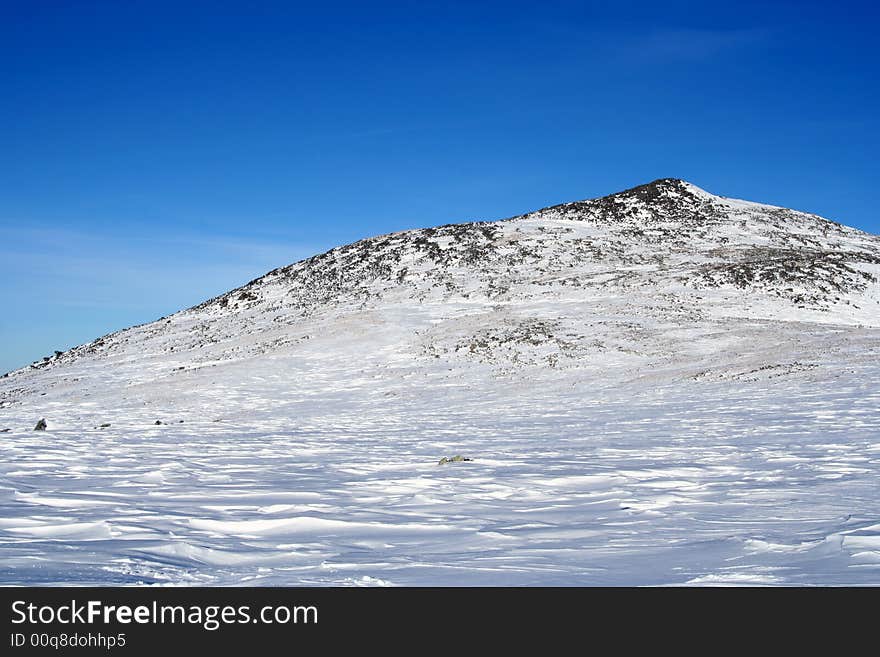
(657, 386)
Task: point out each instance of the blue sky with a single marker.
(154, 154)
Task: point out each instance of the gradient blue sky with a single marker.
(154, 154)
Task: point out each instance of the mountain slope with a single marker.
(630, 370)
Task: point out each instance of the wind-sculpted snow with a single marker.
(657, 387)
(773, 482)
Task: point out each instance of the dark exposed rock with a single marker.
(819, 275)
(41, 425)
(458, 458)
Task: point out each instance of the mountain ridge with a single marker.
(656, 197)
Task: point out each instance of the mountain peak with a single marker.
(663, 184)
(663, 188)
(659, 200)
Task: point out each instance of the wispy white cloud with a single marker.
(671, 45)
(69, 267)
(63, 286)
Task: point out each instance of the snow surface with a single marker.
(658, 387)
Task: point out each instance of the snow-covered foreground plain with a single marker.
(766, 482)
(661, 387)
